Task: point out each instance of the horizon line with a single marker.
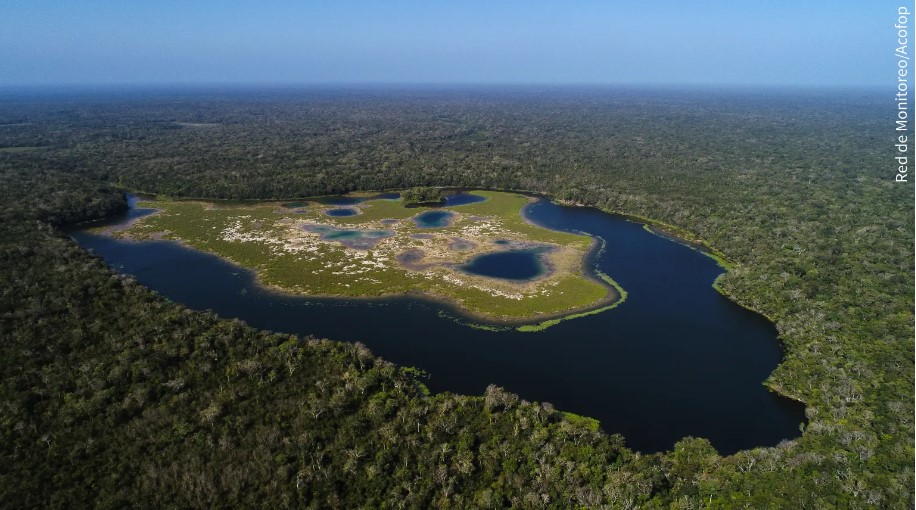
(266, 85)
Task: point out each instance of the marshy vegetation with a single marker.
(299, 248)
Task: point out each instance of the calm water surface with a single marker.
(435, 218)
(509, 265)
(462, 199)
(341, 212)
(675, 359)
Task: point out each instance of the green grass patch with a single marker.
(582, 421)
(271, 240)
(621, 293)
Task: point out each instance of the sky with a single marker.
(765, 42)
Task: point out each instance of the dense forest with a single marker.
(423, 195)
(113, 396)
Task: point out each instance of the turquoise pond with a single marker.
(352, 238)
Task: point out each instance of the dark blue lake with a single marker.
(510, 265)
(293, 205)
(347, 200)
(341, 212)
(434, 219)
(463, 199)
(675, 359)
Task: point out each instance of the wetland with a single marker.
(673, 359)
(479, 254)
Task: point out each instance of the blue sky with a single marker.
(821, 43)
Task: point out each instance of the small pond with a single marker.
(462, 199)
(435, 218)
(352, 237)
(508, 265)
(341, 212)
(295, 205)
(348, 200)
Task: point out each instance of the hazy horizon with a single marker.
(126, 90)
(537, 43)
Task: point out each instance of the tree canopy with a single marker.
(114, 396)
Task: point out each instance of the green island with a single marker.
(379, 249)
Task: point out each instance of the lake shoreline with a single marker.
(576, 353)
(449, 305)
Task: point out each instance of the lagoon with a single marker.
(675, 359)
